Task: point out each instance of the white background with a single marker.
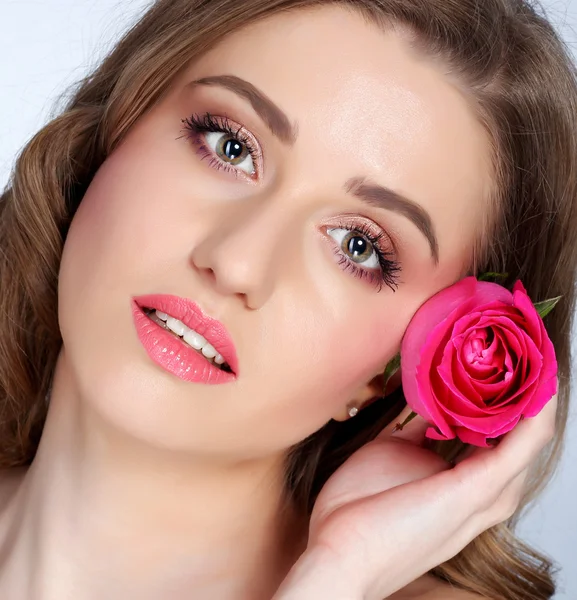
(47, 45)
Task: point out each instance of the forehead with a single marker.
(366, 103)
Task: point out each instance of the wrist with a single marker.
(312, 577)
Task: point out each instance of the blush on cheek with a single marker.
(100, 241)
(83, 245)
(116, 213)
(95, 215)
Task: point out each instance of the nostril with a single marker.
(211, 275)
(208, 273)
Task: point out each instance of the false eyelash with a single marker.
(197, 124)
(390, 267)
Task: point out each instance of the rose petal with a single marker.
(433, 434)
(493, 418)
(444, 398)
(492, 388)
(493, 362)
(507, 427)
(478, 351)
(531, 374)
(518, 286)
(472, 437)
(542, 396)
(456, 378)
(532, 319)
(431, 313)
(489, 424)
(424, 402)
(480, 439)
(514, 342)
(550, 367)
(457, 410)
(416, 375)
(465, 385)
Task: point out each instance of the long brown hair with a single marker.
(518, 76)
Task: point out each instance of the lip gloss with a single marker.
(173, 354)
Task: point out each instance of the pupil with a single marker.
(357, 247)
(232, 149)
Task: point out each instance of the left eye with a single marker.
(356, 247)
(230, 150)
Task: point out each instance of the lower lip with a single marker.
(173, 355)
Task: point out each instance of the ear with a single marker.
(369, 393)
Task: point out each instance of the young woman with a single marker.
(207, 262)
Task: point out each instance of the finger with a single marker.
(520, 447)
(493, 469)
(544, 419)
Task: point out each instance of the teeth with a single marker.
(191, 337)
(194, 339)
(209, 351)
(177, 326)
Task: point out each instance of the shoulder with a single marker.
(430, 588)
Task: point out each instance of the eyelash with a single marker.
(196, 125)
(390, 268)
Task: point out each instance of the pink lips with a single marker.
(171, 353)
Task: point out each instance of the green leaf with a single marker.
(545, 307)
(392, 367)
(400, 426)
(493, 277)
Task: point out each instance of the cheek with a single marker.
(110, 246)
(89, 232)
(357, 349)
(118, 226)
(338, 350)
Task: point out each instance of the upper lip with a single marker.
(193, 317)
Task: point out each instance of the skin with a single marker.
(130, 453)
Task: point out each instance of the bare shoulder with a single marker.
(430, 588)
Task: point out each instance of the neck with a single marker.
(104, 514)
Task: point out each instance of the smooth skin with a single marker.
(368, 539)
(150, 487)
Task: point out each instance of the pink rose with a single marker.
(475, 360)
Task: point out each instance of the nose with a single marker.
(240, 254)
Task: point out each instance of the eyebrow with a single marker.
(280, 126)
(382, 197)
(274, 118)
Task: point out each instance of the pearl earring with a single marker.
(353, 411)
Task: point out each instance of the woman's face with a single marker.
(308, 184)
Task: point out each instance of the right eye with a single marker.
(230, 150)
(225, 145)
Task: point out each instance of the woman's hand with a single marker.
(395, 510)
